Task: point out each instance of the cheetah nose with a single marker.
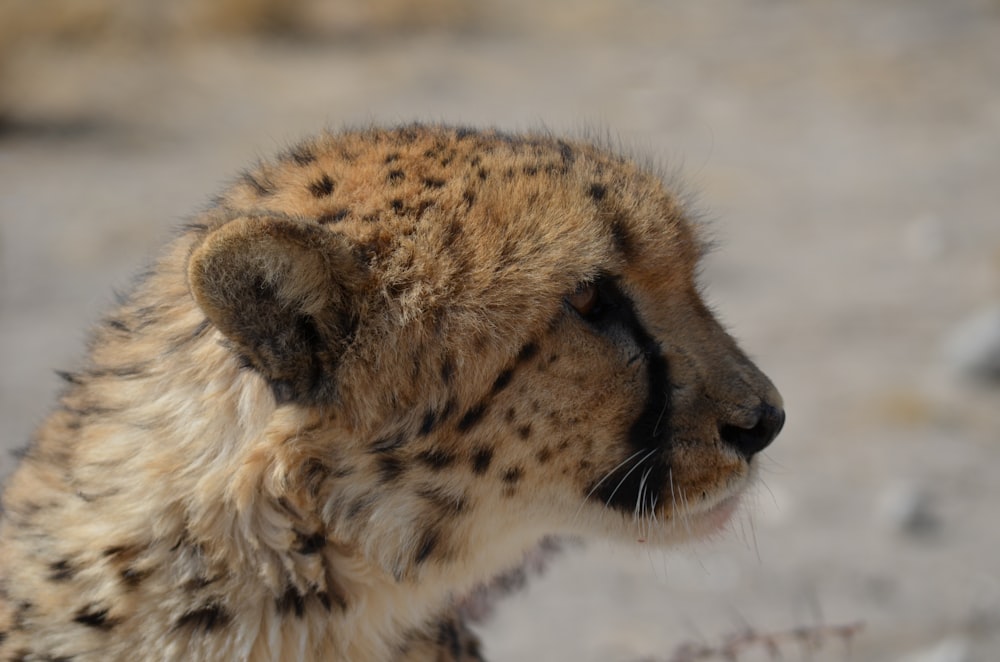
(753, 439)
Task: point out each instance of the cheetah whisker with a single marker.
(627, 474)
(656, 428)
(673, 499)
(583, 504)
(640, 502)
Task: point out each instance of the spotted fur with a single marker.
(371, 376)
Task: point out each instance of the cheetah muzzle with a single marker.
(375, 372)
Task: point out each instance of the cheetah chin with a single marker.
(369, 377)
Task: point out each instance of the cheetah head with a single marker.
(485, 339)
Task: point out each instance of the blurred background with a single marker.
(845, 155)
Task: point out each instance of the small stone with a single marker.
(973, 347)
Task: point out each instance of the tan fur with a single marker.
(354, 389)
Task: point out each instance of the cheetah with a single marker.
(367, 378)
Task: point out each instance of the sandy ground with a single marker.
(847, 158)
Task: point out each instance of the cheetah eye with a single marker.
(585, 299)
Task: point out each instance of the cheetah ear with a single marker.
(285, 294)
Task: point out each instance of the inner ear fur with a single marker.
(285, 294)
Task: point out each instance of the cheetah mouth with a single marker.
(715, 517)
(697, 523)
(715, 510)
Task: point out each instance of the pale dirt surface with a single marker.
(847, 156)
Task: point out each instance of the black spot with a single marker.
(359, 505)
(513, 475)
(69, 377)
(436, 459)
(597, 191)
(324, 599)
(448, 505)
(469, 196)
(291, 600)
(409, 134)
(391, 157)
(530, 170)
(314, 473)
(566, 152)
(334, 597)
(428, 542)
(389, 468)
(132, 577)
(447, 370)
(307, 332)
(397, 205)
(396, 176)
(261, 186)
(471, 417)
(433, 182)
(327, 600)
(282, 391)
(430, 420)
(121, 372)
(21, 613)
(389, 443)
(544, 455)
(61, 571)
(311, 543)
(481, 460)
(448, 637)
(199, 583)
(94, 617)
(527, 352)
(620, 235)
(483, 174)
(203, 326)
(208, 618)
(452, 233)
(301, 155)
(472, 650)
(502, 380)
(422, 206)
(322, 187)
(524, 431)
(333, 217)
